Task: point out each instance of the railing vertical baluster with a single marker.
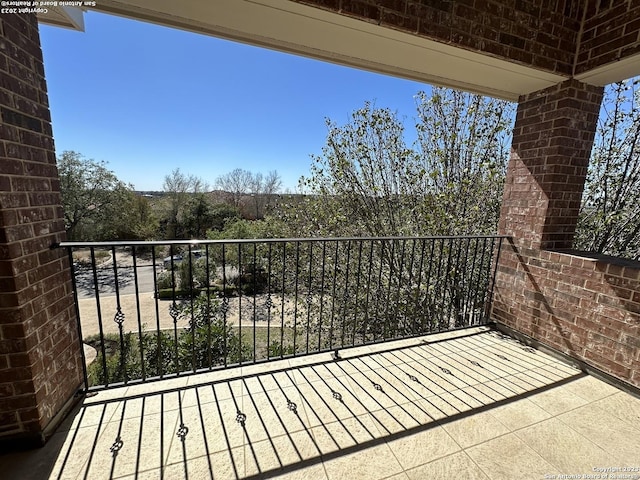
(390, 282)
(480, 294)
(494, 266)
(156, 290)
(193, 322)
(321, 314)
(76, 306)
(333, 295)
(295, 301)
(225, 304)
(418, 310)
(447, 279)
(96, 286)
(309, 293)
(379, 289)
(173, 311)
(366, 301)
(255, 289)
(408, 327)
(240, 280)
(472, 284)
(119, 318)
(209, 309)
(138, 313)
(269, 305)
(456, 290)
(400, 282)
(356, 298)
(284, 288)
(346, 293)
(438, 279)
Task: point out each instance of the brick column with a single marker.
(40, 359)
(552, 140)
(586, 306)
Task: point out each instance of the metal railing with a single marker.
(156, 310)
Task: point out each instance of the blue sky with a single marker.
(147, 99)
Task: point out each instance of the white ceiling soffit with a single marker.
(612, 72)
(63, 16)
(312, 32)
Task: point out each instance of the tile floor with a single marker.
(469, 405)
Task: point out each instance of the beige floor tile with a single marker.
(152, 387)
(426, 379)
(497, 390)
(264, 368)
(153, 474)
(74, 453)
(107, 463)
(563, 447)
(422, 447)
(267, 382)
(377, 392)
(351, 432)
(314, 472)
(519, 414)
(153, 403)
(557, 400)
(89, 416)
(456, 372)
(507, 458)
(268, 456)
(622, 405)
(402, 418)
(269, 415)
(221, 465)
(458, 465)
(373, 463)
(619, 438)
(475, 429)
(399, 476)
(449, 404)
(384, 359)
(398, 383)
(220, 431)
(591, 389)
(328, 401)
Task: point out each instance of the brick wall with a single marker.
(40, 367)
(552, 139)
(610, 33)
(585, 306)
(540, 34)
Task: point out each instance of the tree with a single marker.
(237, 182)
(137, 220)
(241, 184)
(185, 195)
(368, 181)
(609, 220)
(92, 197)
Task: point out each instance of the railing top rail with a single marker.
(132, 243)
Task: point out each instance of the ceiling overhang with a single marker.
(62, 16)
(290, 27)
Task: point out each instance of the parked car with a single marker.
(177, 259)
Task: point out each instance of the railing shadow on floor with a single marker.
(295, 417)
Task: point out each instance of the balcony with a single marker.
(369, 358)
(468, 404)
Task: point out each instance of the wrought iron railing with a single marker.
(154, 310)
